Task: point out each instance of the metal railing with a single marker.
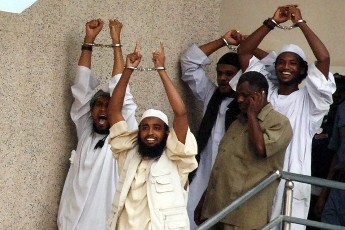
(286, 219)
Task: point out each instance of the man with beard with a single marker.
(154, 162)
(253, 147)
(305, 107)
(90, 184)
(218, 104)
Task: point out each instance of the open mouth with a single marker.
(102, 119)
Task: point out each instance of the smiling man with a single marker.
(153, 133)
(154, 161)
(305, 107)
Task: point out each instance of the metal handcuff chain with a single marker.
(287, 27)
(139, 68)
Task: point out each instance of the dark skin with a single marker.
(99, 114)
(338, 97)
(224, 72)
(251, 102)
(152, 131)
(321, 201)
(288, 70)
(92, 29)
(284, 13)
(286, 62)
(99, 111)
(180, 122)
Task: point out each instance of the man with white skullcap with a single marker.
(304, 106)
(90, 184)
(154, 161)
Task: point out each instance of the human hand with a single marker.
(243, 37)
(93, 28)
(198, 210)
(282, 14)
(115, 27)
(233, 37)
(295, 13)
(158, 57)
(320, 204)
(133, 59)
(256, 103)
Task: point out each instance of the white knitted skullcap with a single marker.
(155, 113)
(294, 49)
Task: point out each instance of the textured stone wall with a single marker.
(39, 51)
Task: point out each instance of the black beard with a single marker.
(151, 152)
(100, 131)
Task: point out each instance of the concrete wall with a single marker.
(39, 50)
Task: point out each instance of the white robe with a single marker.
(90, 184)
(193, 62)
(305, 109)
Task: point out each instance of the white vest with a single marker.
(167, 199)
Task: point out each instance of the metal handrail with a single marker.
(282, 218)
(238, 202)
(295, 220)
(312, 180)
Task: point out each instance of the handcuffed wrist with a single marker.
(270, 23)
(230, 47)
(101, 45)
(140, 68)
(131, 67)
(88, 44)
(300, 21)
(226, 42)
(86, 47)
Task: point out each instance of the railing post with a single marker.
(288, 202)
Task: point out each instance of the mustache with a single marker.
(151, 151)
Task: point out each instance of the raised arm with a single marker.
(85, 81)
(93, 28)
(180, 122)
(117, 98)
(115, 27)
(232, 37)
(319, 49)
(247, 48)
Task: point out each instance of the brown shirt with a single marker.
(238, 168)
